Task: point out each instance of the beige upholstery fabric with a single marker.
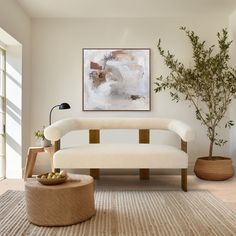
(62, 127)
(121, 156)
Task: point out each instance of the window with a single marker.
(2, 112)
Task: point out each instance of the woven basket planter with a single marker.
(220, 168)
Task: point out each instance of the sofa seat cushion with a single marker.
(121, 156)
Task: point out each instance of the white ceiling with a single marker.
(125, 8)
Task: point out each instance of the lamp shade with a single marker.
(64, 106)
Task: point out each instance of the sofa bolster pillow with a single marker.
(58, 129)
(183, 130)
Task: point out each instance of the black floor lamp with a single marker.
(61, 106)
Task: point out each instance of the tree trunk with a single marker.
(211, 149)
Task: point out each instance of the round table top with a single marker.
(73, 180)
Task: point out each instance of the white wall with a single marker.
(232, 28)
(57, 69)
(15, 22)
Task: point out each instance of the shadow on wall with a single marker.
(14, 111)
(13, 102)
(13, 144)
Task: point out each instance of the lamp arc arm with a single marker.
(50, 114)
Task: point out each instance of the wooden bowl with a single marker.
(51, 181)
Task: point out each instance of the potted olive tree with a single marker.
(210, 86)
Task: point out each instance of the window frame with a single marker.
(3, 111)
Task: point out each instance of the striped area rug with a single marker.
(130, 212)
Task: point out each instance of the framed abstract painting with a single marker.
(116, 79)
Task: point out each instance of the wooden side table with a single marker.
(31, 158)
(59, 205)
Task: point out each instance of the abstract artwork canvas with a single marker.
(116, 79)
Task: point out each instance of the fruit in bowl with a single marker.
(53, 175)
(52, 178)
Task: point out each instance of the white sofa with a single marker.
(121, 155)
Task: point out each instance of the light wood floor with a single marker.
(225, 190)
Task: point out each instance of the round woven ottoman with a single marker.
(59, 205)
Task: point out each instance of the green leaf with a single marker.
(209, 83)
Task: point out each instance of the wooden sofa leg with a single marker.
(94, 173)
(184, 181)
(144, 173)
(94, 137)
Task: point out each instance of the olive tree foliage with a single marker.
(209, 84)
